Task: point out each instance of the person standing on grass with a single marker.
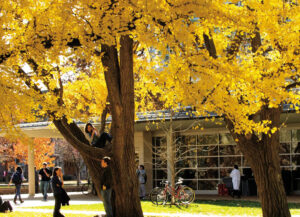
(45, 176)
(236, 180)
(60, 195)
(142, 177)
(106, 186)
(17, 178)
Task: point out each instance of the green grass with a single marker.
(208, 207)
(35, 214)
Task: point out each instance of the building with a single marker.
(204, 156)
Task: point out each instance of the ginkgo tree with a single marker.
(40, 38)
(244, 68)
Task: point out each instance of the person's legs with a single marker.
(42, 187)
(239, 193)
(18, 193)
(57, 206)
(140, 191)
(107, 202)
(102, 140)
(45, 190)
(143, 191)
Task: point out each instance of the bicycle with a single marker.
(87, 188)
(182, 194)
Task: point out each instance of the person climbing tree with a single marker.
(96, 140)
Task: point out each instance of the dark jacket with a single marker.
(59, 192)
(106, 178)
(56, 185)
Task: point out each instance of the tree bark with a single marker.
(120, 84)
(263, 157)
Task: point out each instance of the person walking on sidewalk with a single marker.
(106, 186)
(17, 178)
(60, 195)
(45, 176)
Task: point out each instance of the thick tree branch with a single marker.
(210, 46)
(293, 85)
(76, 138)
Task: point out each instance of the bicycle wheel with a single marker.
(158, 196)
(85, 188)
(186, 195)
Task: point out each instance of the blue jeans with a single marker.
(44, 188)
(18, 190)
(106, 194)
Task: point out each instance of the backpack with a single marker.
(17, 179)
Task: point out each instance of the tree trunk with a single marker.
(127, 201)
(263, 157)
(120, 84)
(171, 161)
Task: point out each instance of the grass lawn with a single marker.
(35, 214)
(209, 207)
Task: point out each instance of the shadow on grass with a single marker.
(239, 203)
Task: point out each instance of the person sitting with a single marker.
(98, 141)
(5, 206)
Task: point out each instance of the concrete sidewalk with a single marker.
(76, 198)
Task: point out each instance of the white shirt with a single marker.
(236, 179)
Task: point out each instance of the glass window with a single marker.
(284, 147)
(245, 162)
(296, 160)
(160, 174)
(191, 140)
(187, 174)
(285, 135)
(186, 152)
(208, 139)
(191, 183)
(160, 163)
(207, 185)
(226, 139)
(296, 135)
(208, 174)
(208, 162)
(229, 150)
(186, 163)
(187, 140)
(211, 150)
(230, 161)
(225, 172)
(285, 160)
(295, 147)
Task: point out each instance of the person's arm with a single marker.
(40, 174)
(10, 181)
(23, 178)
(94, 133)
(62, 180)
(46, 172)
